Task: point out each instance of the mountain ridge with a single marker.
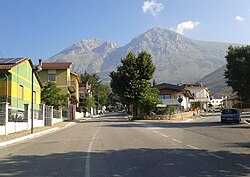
(178, 59)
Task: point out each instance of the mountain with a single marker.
(177, 58)
(87, 55)
(216, 82)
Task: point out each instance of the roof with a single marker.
(169, 86)
(177, 88)
(56, 65)
(8, 63)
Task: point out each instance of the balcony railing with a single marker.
(170, 101)
(72, 86)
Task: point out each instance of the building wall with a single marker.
(21, 75)
(74, 79)
(169, 92)
(62, 79)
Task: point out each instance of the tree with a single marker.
(92, 79)
(88, 102)
(149, 100)
(238, 70)
(131, 80)
(99, 91)
(50, 96)
(101, 94)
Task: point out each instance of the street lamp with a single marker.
(35, 69)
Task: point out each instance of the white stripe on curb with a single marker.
(69, 124)
(28, 136)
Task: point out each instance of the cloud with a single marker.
(152, 7)
(189, 25)
(239, 19)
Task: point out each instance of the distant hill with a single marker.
(177, 58)
(216, 81)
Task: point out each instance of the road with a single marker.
(111, 146)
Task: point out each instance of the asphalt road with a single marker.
(111, 146)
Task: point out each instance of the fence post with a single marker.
(4, 115)
(50, 115)
(60, 110)
(42, 112)
(26, 114)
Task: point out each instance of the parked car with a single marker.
(230, 115)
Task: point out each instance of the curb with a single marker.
(31, 136)
(70, 124)
(34, 135)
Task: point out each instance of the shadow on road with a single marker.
(163, 124)
(129, 163)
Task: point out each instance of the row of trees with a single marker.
(99, 92)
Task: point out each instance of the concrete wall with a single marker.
(79, 115)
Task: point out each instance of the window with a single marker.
(164, 96)
(52, 77)
(21, 92)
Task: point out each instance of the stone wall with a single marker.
(179, 116)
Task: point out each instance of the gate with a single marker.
(48, 114)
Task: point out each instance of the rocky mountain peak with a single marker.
(88, 46)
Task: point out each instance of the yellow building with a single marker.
(64, 78)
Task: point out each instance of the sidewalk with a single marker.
(25, 134)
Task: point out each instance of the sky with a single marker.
(40, 29)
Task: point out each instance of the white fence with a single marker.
(15, 121)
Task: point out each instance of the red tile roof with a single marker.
(56, 65)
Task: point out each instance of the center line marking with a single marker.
(192, 146)
(217, 156)
(177, 140)
(243, 166)
(164, 135)
(87, 166)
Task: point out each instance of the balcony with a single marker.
(170, 101)
(72, 86)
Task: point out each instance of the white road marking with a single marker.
(177, 140)
(155, 132)
(243, 166)
(164, 135)
(246, 122)
(87, 164)
(217, 156)
(192, 146)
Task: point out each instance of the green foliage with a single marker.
(88, 102)
(149, 100)
(50, 96)
(238, 70)
(92, 79)
(131, 81)
(169, 110)
(197, 104)
(99, 91)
